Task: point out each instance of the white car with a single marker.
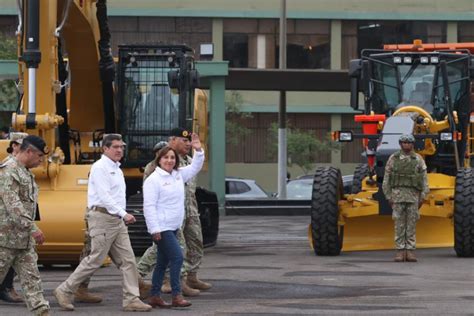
(243, 189)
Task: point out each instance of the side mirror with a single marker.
(173, 79)
(355, 93)
(354, 74)
(365, 76)
(193, 79)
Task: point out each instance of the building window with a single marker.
(466, 32)
(308, 45)
(254, 43)
(358, 35)
(236, 50)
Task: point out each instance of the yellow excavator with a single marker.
(419, 89)
(72, 92)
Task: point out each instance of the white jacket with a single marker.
(163, 195)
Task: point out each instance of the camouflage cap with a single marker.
(407, 138)
(17, 137)
(159, 146)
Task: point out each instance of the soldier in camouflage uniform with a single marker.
(7, 291)
(18, 232)
(405, 185)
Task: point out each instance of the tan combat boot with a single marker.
(137, 306)
(187, 291)
(400, 256)
(166, 287)
(44, 312)
(193, 281)
(411, 256)
(63, 299)
(144, 288)
(83, 295)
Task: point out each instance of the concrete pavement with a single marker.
(263, 265)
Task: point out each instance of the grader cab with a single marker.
(418, 89)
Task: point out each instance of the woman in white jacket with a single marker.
(163, 207)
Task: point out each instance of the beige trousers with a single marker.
(109, 236)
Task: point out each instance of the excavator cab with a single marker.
(155, 94)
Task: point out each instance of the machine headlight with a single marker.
(434, 59)
(446, 136)
(397, 60)
(345, 136)
(424, 60)
(407, 60)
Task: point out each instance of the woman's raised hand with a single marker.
(195, 142)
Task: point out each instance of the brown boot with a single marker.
(15, 296)
(83, 295)
(144, 287)
(179, 301)
(166, 287)
(411, 256)
(187, 291)
(193, 281)
(157, 301)
(400, 256)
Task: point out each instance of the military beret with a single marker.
(17, 137)
(36, 142)
(180, 132)
(159, 146)
(407, 138)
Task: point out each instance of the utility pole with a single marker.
(282, 144)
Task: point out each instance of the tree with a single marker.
(303, 147)
(8, 92)
(234, 129)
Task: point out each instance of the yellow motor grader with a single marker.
(419, 89)
(72, 92)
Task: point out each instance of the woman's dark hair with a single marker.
(162, 152)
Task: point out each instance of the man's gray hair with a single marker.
(109, 138)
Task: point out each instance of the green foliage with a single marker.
(8, 92)
(8, 49)
(234, 130)
(303, 147)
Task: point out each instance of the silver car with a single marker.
(243, 188)
(302, 187)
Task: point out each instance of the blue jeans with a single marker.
(169, 252)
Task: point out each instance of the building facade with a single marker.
(320, 35)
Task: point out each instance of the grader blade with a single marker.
(376, 232)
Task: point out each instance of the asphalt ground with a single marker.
(262, 265)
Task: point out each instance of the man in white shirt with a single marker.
(107, 220)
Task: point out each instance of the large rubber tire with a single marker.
(360, 172)
(326, 233)
(464, 213)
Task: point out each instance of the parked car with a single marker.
(302, 187)
(243, 188)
